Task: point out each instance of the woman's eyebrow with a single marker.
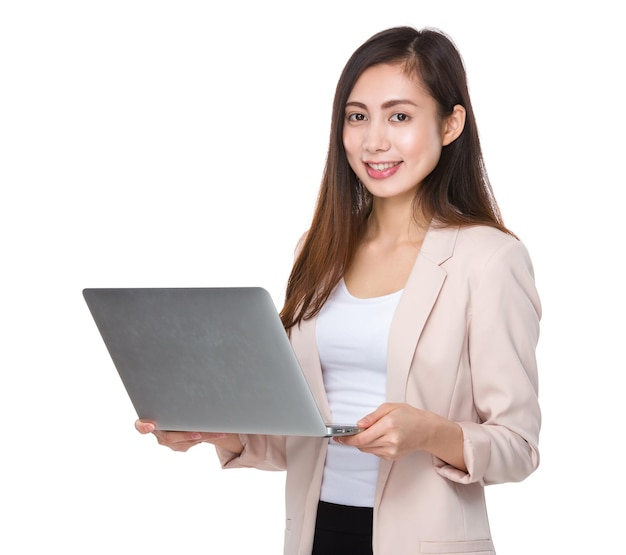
(392, 103)
(385, 105)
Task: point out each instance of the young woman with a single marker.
(412, 310)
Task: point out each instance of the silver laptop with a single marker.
(208, 359)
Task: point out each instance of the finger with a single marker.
(366, 438)
(181, 446)
(173, 438)
(375, 416)
(145, 426)
(212, 436)
(169, 437)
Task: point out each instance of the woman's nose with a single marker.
(376, 139)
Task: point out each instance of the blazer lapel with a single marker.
(416, 303)
(417, 300)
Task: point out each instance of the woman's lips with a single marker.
(381, 170)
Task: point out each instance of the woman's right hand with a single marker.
(183, 441)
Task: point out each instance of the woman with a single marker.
(412, 310)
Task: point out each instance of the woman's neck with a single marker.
(395, 223)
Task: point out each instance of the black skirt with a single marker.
(341, 529)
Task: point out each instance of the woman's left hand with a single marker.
(397, 429)
(391, 431)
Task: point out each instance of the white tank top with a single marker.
(352, 335)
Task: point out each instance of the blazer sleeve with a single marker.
(503, 336)
(259, 451)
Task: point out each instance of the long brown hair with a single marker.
(457, 191)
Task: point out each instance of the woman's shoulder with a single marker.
(486, 238)
(486, 234)
(482, 244)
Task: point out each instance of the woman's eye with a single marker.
(356, 117)
(399, 117)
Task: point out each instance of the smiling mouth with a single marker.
(382, 167)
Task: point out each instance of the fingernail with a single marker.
(196, 435)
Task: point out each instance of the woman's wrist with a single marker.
(446, 442)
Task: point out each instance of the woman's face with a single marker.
(392, 133)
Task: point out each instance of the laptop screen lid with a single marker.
(207, 359)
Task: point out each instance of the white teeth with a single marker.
(381, 167)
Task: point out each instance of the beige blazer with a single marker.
(462, 344)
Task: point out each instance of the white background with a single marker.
(153, 143)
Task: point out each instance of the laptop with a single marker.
(208, 359)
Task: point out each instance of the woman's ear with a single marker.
(453, 124)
